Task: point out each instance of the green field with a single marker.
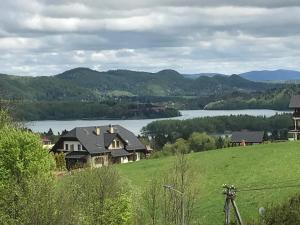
(245, 167)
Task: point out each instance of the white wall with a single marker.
(105, 161)
(75, 143)
(138, 156)
(124, 159)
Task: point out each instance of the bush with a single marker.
(201, 142)
(287, 213)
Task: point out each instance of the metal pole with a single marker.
(227, 211)
(237, 213)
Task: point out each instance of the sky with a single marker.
(47, 37)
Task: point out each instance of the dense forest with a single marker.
(64, 110)
(168, 131)
(84, 93)
(278, 98)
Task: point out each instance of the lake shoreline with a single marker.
(135, 125)
(154, 118)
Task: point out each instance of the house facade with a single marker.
(99, 146)
(245, 137)
(295, 105)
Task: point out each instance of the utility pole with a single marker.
(230, 195)
(171, 188)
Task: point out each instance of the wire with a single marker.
(268, 183)
(268, 188)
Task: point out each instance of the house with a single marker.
(99, 146)
(245, 137)
(47, 144)
(295, 104)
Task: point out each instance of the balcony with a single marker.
(296, 115)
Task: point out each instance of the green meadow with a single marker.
(272, 166)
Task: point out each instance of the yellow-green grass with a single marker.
(245, 167)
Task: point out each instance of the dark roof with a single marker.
(295, 101)
(119, 153)
(247, 136)
(94, 143)
(76, 155)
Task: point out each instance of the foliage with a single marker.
(286, 213)
(22, 161)
(22, 156)
(101, 197)
(201, 142)
(278, 98)
(165, 206)
(45, 110)
(60, 161)
(168, 131)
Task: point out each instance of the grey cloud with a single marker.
(47, 37)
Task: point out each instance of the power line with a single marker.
(269, 188)
(268, 183)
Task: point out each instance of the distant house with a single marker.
(99, 146)
(46, 141)
(47, 144)
(295, 104)
(243, 138)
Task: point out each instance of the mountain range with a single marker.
(261, 76)
(272, 75)
(84, 84)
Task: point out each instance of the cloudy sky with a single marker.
(45, 37)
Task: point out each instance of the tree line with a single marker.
(168, 131)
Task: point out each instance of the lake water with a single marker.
(136, 125)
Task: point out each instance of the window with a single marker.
(66, 146)
(113, 145)
(79, 147)
(118, 144)
(72, 147)
(99, 160)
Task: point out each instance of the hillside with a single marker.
(275, 75)
(247, 167)
(277, 98)
(83, 84)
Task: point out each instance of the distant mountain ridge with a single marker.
(272, 75)
(84, 84)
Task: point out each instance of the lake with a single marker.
(136, 125)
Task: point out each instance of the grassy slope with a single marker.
(243, 167)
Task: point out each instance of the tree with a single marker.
(219, 142)
(22, 159)
(50, 132)
(201, 142)
(152, 201)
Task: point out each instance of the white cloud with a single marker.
(47, 37)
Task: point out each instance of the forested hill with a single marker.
(83, 84)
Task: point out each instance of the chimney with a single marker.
(98, 131)
(111, 129)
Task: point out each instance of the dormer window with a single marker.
(116, 144)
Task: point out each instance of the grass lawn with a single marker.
(253, 166)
